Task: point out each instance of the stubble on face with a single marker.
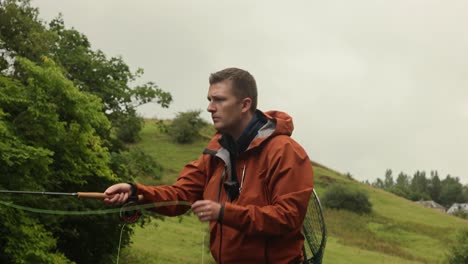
(224, 107)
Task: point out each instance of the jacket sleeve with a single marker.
(188, 188)
(290, 183)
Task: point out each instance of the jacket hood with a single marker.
(284, 122)
(279, 123)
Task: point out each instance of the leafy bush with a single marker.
(340, 196)
(459, 251)
(461, 214)
(134, 163)
(186, 126)
(127, 126)
(161, 126)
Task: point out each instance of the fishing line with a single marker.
(95, 212)
(120, 241)
(203, 246)
(121, 211)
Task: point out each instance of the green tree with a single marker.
(402, 186)
(378, 183)
(435, 186)
(25, 240)
(51, 143)
(66, 112)
(419, 186)
(465, 193)
(22, 238)
(23, 34)
(388, 182)
(451, 191)
(186, 126)
(110, 79)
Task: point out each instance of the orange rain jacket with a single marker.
(263, 225)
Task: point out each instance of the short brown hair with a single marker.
(243, 83)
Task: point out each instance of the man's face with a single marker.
(225, 108)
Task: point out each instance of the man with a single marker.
(252, 183)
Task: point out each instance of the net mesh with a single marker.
(314, 231)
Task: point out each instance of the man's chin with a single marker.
(219, 128)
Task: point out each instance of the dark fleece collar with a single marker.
(235, 147)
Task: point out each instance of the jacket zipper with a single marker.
(221, 224)
(227, 199)
(243, 177)
(221, 239)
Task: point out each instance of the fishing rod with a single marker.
(95, 195)
(130, 212)
(128, 216)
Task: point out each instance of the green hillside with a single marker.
(398, 230)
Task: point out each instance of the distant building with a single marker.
(458, 207)
(432, 205)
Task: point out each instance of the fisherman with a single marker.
(252, 183)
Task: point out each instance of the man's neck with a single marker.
(244, 122)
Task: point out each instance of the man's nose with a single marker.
(211, 108)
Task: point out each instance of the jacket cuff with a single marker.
(232, 215)
(133, 196)
(133, 189)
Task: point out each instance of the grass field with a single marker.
(397, 231)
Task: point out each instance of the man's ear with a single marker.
(246, 104)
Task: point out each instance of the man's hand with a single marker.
(119, 192)
(206, 210)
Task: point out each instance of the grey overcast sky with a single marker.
(371, 85)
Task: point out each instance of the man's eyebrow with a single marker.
(218, 97)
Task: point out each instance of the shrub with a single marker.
(127, 126)
(135, 163)
(459, 251)
(461, 214)
(186, 126)
(340, 196)
(161, 126)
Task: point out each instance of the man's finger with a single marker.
(200, 203)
